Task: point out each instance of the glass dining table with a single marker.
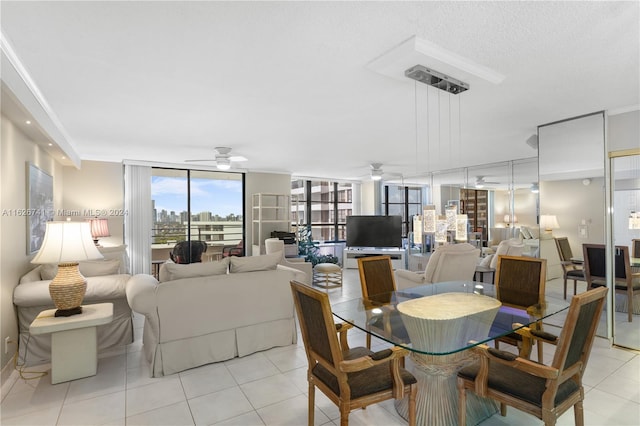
(438, 324)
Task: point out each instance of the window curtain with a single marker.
(138, 223)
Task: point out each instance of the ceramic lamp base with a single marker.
(67, 289)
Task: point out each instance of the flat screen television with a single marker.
(374, 231)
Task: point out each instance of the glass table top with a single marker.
(442, 325)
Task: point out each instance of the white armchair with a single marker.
(450, 262)
(273, 245)
(510, 247)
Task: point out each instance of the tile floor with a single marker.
(268, 388)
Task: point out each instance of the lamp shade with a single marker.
(429, 218)
(509, 219)
(67, 242)
(461, 227)
(549, 222)
(99, 228)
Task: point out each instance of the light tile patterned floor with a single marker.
(269, 388)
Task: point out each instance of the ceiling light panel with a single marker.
(414, 50)
(436, 79)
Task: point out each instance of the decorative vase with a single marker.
(67, 290)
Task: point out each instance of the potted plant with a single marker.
(310, 249)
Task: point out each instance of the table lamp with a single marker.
(509, 220)
(549, 222)
(99, 229)
(67, 243)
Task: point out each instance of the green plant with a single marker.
(310, 249)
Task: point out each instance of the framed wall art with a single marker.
(39, 206)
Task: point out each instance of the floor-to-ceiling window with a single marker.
(324, 206)
(402, 201)
(196, 205)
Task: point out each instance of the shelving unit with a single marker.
(270, 212)
(475, 204)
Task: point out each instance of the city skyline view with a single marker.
(218, 196)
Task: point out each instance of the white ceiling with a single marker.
(299, 86)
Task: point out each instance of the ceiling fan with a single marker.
(223, 158)
(377, 173)
(481, 182)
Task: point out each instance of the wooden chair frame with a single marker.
(635, 248)
(625, 280)
(376, 277)
(517, 300)
(561, 369)
(565, 253)
(340, 367)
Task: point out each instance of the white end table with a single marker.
(74, 343)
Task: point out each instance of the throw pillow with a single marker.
(526, 233)
(265, 262)
(174, 271)
(88, 268)
(486, 261)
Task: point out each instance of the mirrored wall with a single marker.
(625, 182)
(500, 200)
(591, 192)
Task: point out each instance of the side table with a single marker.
(74, 344)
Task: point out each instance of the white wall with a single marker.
(624, 131)
(97, 187)
(525, 207)
(256, 183)
(573, 202)
(16, 150)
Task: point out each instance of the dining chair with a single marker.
(571, 270)
(635, 245)
(520, 283)
(237, 250)
(376, 282)
(626, 283)
(350, 377)
(543, 391)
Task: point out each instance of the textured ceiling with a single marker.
(290, 86)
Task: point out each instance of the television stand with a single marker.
(350, 256)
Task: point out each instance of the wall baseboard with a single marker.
(8, 376)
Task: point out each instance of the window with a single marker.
(197, 205)
(324, 205)
(403, 201)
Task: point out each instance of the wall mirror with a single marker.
(572, 194)
(496, 197)
(625, 181)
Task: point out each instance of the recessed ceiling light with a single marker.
(64, 158)
(28, 122)
(50, 144)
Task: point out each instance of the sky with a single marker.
(221, 197)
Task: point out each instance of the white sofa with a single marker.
(510, 247)
(276, 245)
(106, 283)
(450, 262)
(201, 313)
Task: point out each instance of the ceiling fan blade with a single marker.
(238, 158)
(204, 159)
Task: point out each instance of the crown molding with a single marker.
(17, 79)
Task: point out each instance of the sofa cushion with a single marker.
(88, 268)
(265, 262)
(174, 271)
(99, 288)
